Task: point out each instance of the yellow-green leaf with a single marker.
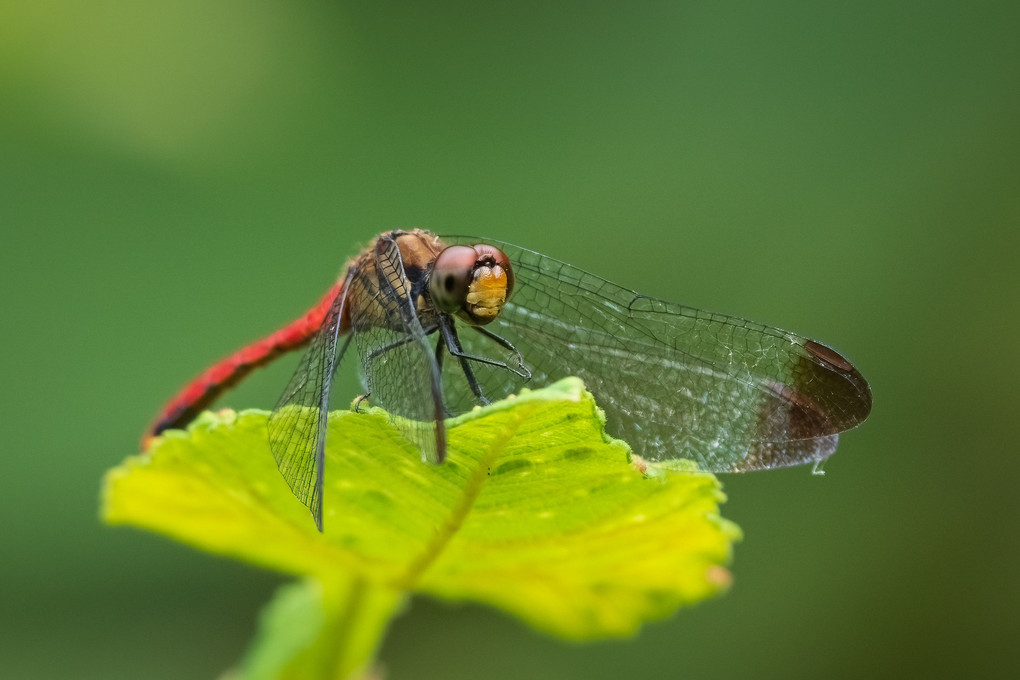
(536, 511)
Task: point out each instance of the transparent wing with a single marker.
(398, 357)
(297, 426)
(675, 382)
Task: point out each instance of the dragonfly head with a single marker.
(471, 282)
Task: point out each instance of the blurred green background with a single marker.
(177, 179)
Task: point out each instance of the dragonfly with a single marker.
(444, 324)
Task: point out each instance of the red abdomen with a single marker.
(197, 395)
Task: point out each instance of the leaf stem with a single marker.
(359, 612)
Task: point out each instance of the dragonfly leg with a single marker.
(499, 340)
(525, 372)
(361, 399)
(440, 344)
(379, 351)
(454, 347)
(520, 369)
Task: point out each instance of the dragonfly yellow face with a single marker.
(442, 325)
(472, 283)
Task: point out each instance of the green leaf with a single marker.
(320, 629)
(536, 511)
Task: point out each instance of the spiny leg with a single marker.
(361, 398)
(379, 351)
(507, 345)
(454, 347)
(453, 344)
(440, 345)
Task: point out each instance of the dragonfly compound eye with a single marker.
(451, 278)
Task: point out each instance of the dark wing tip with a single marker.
(799, 421)
(825, 382)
